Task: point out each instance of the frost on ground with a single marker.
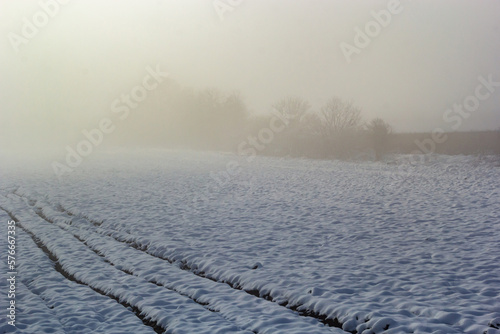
(166, 241)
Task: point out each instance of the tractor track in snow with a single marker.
(181, 264)
(58, 267)
(40, 214)
(139, 311)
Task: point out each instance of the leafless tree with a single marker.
(292, 108)
(338, 116)
(340, 121)
(379, 131)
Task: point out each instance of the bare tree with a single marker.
(338, 115)
(311, 139)
(292, 108)
(340, 121)
(212, 119)
(379, 132)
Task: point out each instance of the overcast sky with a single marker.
(67, 74)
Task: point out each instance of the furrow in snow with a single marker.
(163, 307)
(78, 235)
(245, 310)
(68, 294)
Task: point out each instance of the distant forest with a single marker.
(179, 117)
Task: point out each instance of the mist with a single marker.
(65, 74)
(237, 166)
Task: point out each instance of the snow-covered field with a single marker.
(150, 241)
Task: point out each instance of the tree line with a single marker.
(210, 119)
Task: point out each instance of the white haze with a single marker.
(66, 77)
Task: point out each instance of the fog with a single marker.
(65, 76)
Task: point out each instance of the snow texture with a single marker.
(178, 242)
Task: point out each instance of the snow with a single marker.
(80, 311)
(280, 246)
